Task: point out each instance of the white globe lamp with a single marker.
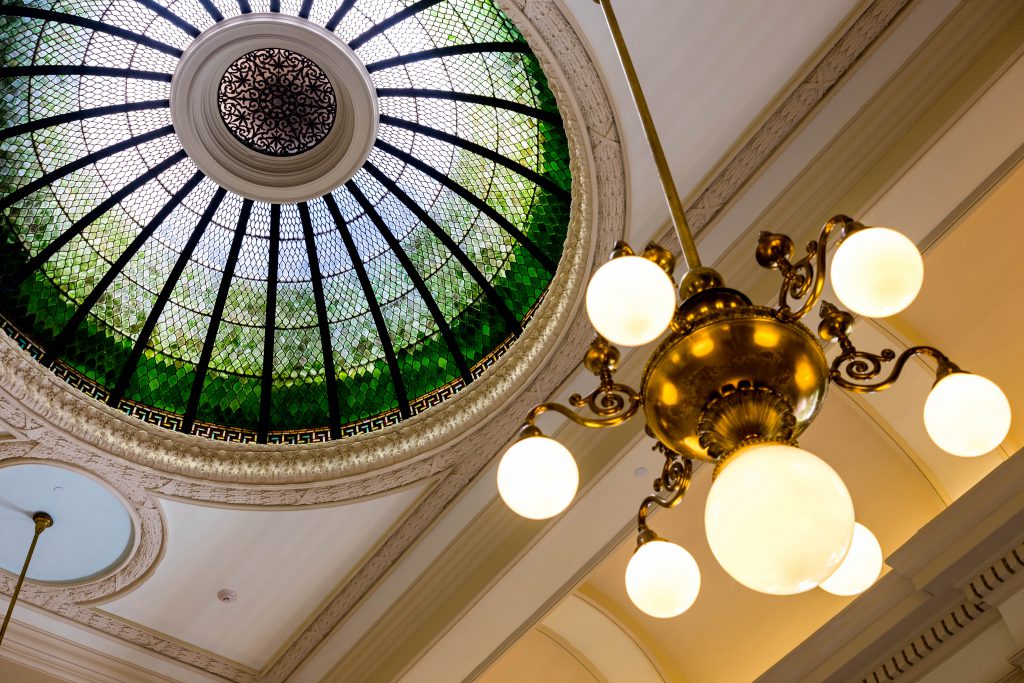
(537, 477)
(967, 415)
(860, 567)
(630, 300)
(662, 579)
(779, 520)
(877, 272)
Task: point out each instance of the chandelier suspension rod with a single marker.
(675, 205)
(43, 522)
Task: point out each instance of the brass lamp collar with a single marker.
(646, 535)
(745, 444)
(656, 253)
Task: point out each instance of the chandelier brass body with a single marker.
(728, 374)
(766, 378)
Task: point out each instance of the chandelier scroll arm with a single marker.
(804, 279)
(854, 370)
(675, 479)
(611, 403)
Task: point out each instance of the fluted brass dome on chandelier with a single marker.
(734, 384)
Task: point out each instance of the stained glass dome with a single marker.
(133, 274)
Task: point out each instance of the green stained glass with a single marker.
(116, 273)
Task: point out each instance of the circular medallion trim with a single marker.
(93, 534)
(277, 102)
(233, 163)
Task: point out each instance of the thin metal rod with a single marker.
(43, 522)
(675, 206)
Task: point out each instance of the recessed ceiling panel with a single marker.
(280, 565)
(92, 532)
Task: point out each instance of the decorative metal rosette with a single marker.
(277, 102)
(135, 277)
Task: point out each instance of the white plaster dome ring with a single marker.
(220, 153)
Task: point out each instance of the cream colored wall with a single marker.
(538, 658)
(16, 673)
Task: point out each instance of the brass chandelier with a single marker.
(734, 384)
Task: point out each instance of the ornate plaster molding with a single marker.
(416, 448)
(1000, 579)
(188, 467)
(62, 423)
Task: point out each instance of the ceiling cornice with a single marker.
(941, 591)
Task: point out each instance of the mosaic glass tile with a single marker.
(448, 239)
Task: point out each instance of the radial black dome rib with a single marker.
(216, 315)
(447, 51)
(212, 10)
(117, 393)
(497, 102)
(81, 115)
(371, 301)
(81, 70)
(161, 11)
(510, 320)
(476, 201)
(330, 372)
(270, 327)
(442, 325)
(91, 24)
(339, 14)
(393, 20)
(485, 152)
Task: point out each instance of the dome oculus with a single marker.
(277, 102)
(140, 276)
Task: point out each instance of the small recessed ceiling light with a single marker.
(640, 472)
(58, 490)
(227, 595)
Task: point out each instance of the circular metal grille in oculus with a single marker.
(277, 102)
(143, 283)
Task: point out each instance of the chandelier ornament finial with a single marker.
(734, 384)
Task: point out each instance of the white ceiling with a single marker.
(709, 71)
(968, 307)
(282, 564)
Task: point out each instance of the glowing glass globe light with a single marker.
(779, 520)
(877, 272)
(860, 567)
(630, 300)
(966, 415)
(537, 477)
(662, 579)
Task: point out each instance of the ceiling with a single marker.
(436, 580)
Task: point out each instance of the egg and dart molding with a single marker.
(734, 384)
